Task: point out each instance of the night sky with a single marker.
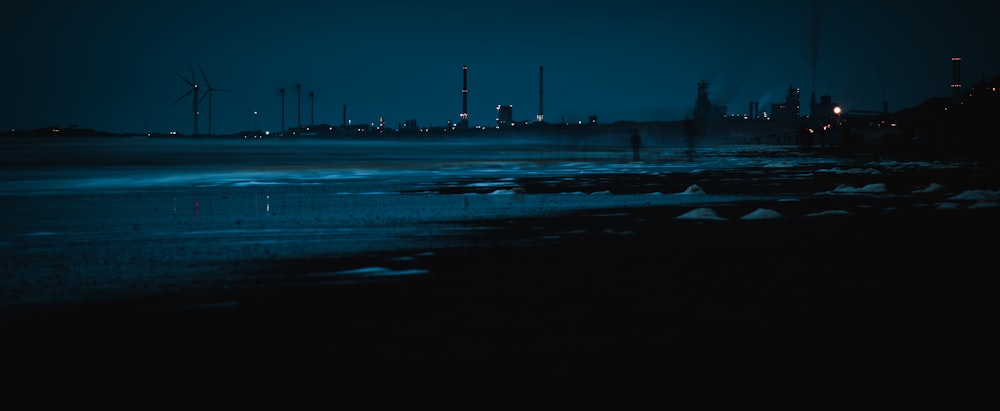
(110, 65)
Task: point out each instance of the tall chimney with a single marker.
(343, 123)
(282, 91)
(464, 123)
(541, 111)
(956, 81)
(812, 102)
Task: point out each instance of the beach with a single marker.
(827, 262)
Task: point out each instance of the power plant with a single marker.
(704, 109)
(713, 119)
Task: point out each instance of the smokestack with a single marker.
(282, 91)
(750, 111)
(298, 91)
(343, 123)
(812, 102)
(817, 14)
(541, 112)
(956, 81)
(464, 123)
(756, 109)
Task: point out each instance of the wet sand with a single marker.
(895, 286)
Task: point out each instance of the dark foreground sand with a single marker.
(894, 290)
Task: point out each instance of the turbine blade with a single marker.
(204, 95)
(185, 95)
(182, 78)
(204, 76)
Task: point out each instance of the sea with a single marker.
(96, 217)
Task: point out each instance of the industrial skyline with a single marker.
(703, 108)
(110, 68)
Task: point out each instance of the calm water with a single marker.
(91, 218)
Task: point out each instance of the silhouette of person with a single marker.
(636, 143)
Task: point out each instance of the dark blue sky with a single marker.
(110, 65)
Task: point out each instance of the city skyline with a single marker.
(115, 68)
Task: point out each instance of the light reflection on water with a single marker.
(104, 214)
(105, 164)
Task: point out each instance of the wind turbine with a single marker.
(209, 95)
(194, 101)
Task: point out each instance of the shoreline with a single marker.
(595, 290)
(586, 267)
(861, 277)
